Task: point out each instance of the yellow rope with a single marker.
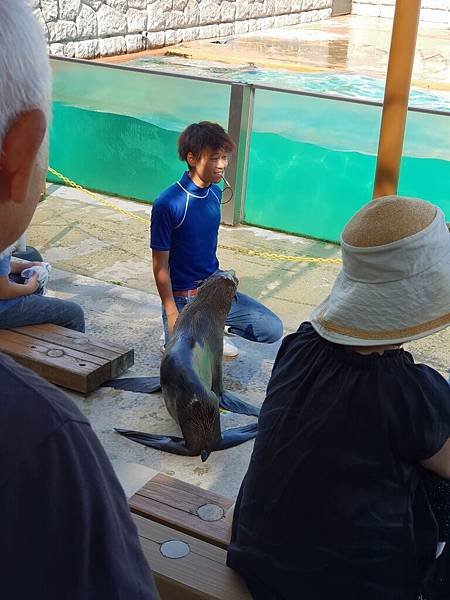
(237, 249)
(273, 256)
(97, 198)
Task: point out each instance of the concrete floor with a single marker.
(343, 44)
(102, 261)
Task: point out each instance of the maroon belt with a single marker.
(185, 293)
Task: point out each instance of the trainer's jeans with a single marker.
(247, 318)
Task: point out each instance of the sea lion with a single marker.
(191, 377)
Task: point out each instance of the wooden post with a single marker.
(395, 107)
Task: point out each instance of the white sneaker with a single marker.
(229, 349)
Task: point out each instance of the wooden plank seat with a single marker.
(188, 559)
(186, 568)
(65, 357)
(184, 507)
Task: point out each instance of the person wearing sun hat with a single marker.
(334, 504)
(395, 285)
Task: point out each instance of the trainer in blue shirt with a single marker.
(184, 231)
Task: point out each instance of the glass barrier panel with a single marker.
(425, 166)
(311, 164)
(115, 129)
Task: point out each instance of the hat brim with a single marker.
(363, 314)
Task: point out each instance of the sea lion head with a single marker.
(200, 424)
(220, 288)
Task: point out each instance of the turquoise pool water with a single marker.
(338, 84)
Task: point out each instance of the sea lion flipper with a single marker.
(237, 435)
(145, 385)
(233, 403)
(167, 443)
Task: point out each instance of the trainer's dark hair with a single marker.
(198, 137)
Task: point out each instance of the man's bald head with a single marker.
(25, 92)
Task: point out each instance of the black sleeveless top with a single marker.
(333, 504)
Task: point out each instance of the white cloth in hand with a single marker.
(43, 271)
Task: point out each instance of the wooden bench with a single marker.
(184, 507)
(65, 357)
(166, 509)
(197, 570)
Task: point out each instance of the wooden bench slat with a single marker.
(175, 503)
(215, 532)
(201, 574)
(63, 364)
(182, 495)
(121, 358)
(195, 490)
(74, 372)
(36, 347)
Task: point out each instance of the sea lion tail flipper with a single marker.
(237, 435)
(167, 443)
(145, 385)
(233, 403)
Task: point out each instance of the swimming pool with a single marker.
(347, 85)
(311, 161)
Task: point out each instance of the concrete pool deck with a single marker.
(347, 44)
(101, 260)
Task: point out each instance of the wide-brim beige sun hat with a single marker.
(394, 285)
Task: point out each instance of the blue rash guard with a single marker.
(185, 221)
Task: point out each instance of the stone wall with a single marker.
(432, 11)
(90, 28)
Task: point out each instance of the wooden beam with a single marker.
(200, 574)
(181, 506)
(395, 107)
(64, 357)
(120, 357)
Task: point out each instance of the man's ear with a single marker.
(191, 160)
(18, 153)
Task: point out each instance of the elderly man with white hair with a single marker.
(24, 112)
(66, 531)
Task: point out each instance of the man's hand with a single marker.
(32, 285)
(161, 273)
(17, 265)
(171, 320)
